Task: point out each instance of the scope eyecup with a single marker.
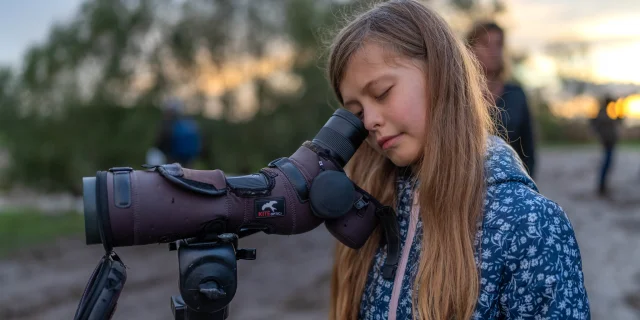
(342, 135)
(91, 226)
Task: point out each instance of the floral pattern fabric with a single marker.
(528, 257)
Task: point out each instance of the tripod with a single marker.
(208, 276)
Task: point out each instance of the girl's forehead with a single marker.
(366, 65)
(375, 54)
(373, 60)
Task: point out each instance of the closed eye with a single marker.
(384, 94)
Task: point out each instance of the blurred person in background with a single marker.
(179, 139)
(606, 128)
(486, 40)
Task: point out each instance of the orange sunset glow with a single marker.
(584, 106)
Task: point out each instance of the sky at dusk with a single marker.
(612, 27)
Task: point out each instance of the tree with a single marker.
(87, 97)
(92, 87)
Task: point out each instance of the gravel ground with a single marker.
(607, 229)
(289, 280)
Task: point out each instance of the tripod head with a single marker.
(208, 276)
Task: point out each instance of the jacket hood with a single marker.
(502, 165)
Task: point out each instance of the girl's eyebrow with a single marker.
(368, 85)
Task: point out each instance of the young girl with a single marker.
(478, 240)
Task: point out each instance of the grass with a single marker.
(25, 228)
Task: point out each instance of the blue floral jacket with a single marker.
(529, 260)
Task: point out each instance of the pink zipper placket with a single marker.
(402, 265)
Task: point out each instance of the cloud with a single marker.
(619, 25)
(533, 23)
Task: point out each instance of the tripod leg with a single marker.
(178, 307)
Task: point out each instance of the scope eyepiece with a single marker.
(342, 135)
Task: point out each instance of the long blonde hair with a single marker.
(451, 171)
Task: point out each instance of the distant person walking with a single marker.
(514, 122)
(606, 127)
(179, 138)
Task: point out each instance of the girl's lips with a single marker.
(388, 141)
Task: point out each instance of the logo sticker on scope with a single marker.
(269, 207)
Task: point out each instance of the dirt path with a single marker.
(607, 230)
(289, 280)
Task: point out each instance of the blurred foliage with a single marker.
(475, 9)
(553, 130)
(550, 127)
(73, 109)
(21, 228)
(77, 106)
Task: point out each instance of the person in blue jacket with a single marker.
(478, 239)
(179, 138)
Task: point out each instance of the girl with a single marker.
(478, 240)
